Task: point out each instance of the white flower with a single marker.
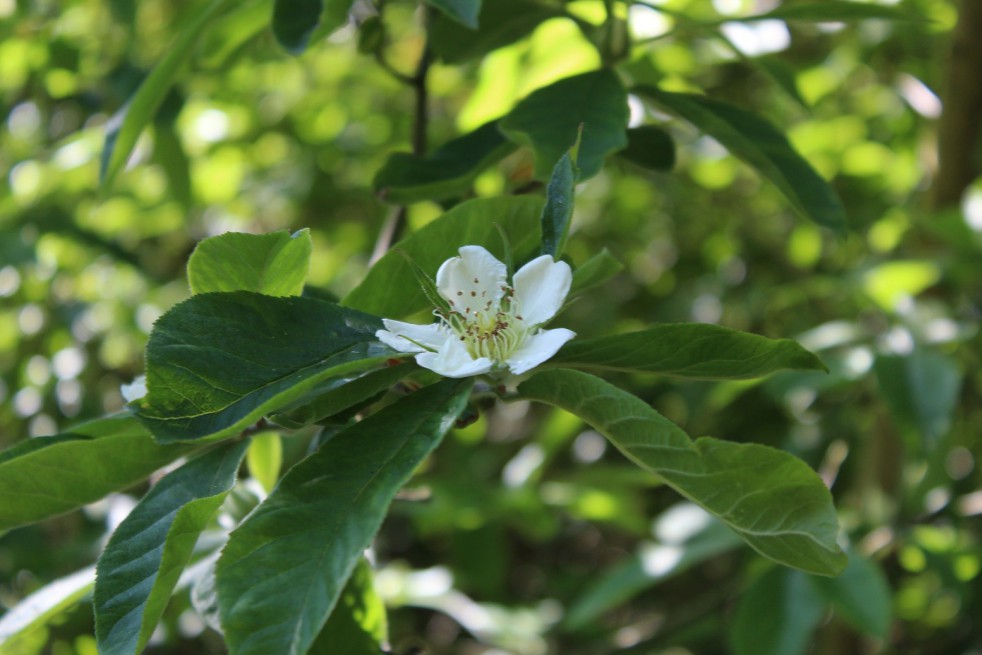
(491, 326)
(134, 390)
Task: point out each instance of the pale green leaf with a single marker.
(19, 623)
(273, 264)
(264, 458)
(358, 624)
(596, 270)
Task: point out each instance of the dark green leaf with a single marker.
(336, 396)
(464, 12)
(357, 625)
(501, 22)
(557, 213)
(777, 615)
(860, 595)
(446, 172)
(125, 127)
(19, 624)
(549, 119)
(228, 34)
(835, 10)
(46, 476)
(596, 270)
(783, 74)
(688, 350)
(758, 143)
(649, 146)
(772, 500)
(298, 22)
(273, 264)
(169, 153)
(390, 288)
(145, 556)
(921, 389)
(220, 361)
(284, 568)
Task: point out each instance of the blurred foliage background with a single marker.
(511, 544)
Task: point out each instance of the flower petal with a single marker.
(540, 289)
(538, 348)
(453, 361)
(412, 338)
(472, 281)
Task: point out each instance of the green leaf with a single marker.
(501, 22)
(860, 595)
(390, 288)
(298, 22)
(46, 476)
(688, 350)
(596, 270)
(549, 119)
(264, 458)
(655, 563)
(273, 264)
(123, 130)
(649, 146)
(772, 500)
(465, 12)
(777, 615)
(284, 568)
(758, 143)
(145, 556)
(20, 623)
(447, 172)
(557, 213)
(358, 625)
(834, 10)
(218, 362)
(338, 395)
(228, 34)
(921, 389)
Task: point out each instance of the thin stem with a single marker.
(396, 221)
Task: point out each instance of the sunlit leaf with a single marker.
(689, 350)
(358, 625)
(284, 569)
(771, 499)
(777, 615)
(444, 173)
(145, 556)
(46, 476)
(274, 264)
(549, 119)
(229, 33)
(758, 143)
(125, 127)
(34, 612)
(264, 458)
(390, 288)
(220, 361)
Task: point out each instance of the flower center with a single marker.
(486, 328)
